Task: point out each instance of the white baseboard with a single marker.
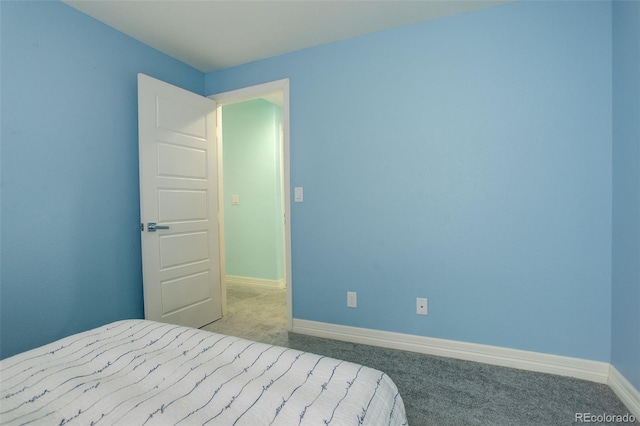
(254, 282)
(594, 371)
(628, 394)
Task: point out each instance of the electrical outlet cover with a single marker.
(421, 306)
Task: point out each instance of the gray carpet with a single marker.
(436, 390)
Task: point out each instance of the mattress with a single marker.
(138, 372)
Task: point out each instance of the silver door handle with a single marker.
(152, 226)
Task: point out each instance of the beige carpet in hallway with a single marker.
(254, 313)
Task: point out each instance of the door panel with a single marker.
(178, 191)
(182, 161)
(183, 205)
(183, 249)
(185, 291)
(182, 119)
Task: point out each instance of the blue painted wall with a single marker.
(625, 350)
(467, 160)
(70, 204)
(253, 228)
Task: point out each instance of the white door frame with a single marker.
(239, 95)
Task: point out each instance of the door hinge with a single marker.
(142, 227)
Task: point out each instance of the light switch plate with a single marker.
(352, 299)
(298, 194)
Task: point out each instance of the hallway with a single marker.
(253, 313)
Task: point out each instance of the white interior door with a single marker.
(178, 193)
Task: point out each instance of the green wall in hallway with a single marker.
(251, 154)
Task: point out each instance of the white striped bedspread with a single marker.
(138, 372)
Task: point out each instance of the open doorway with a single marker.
(254, 205)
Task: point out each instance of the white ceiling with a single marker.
(215, 34)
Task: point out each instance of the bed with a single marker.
(138, 372)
